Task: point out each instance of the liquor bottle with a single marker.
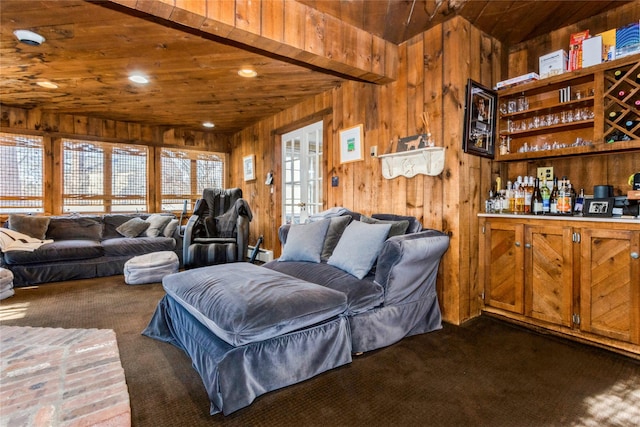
(617, 74)
(553, 198)
(489, 203)
(528, 193)
(519, 196)
(536, 199)
(563, 205)
(546, 195)
(579, 204)
(510, 199)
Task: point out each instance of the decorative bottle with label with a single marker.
(564, 205)
(546, 195)
(536, 199)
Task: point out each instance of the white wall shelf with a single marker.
(425, 161)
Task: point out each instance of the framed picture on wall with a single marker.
(480, 120)
(351, 144)
(249, 167)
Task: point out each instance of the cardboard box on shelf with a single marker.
(592, 51)
(529, 77)
(553, 63)
(628, 40)
(575, 50)
(608, 45)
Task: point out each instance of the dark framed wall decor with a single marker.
(480, 120)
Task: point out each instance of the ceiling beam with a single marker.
(284, 28)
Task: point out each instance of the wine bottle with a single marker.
(536, 199)
(546, 194)
(613, 115)
(553, 198)
(629, 124)
(638, 78)
(617, 74)
(622, 93)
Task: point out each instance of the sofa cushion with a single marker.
(75, 228)
(305, 242)
(336, 228)
(133, 228)
(243, 303)
(137, 245)
(62, 250)
(359, 247)
(170, 229)
(362, 294)
(32, 226)
(397, 227)
(157, 223)
(113, 221)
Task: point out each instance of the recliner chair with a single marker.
(218, 230)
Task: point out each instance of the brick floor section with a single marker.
(61, 377)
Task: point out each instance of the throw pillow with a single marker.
(133, 228)
(157, 223)
(170, 229)
(226, 224)
(359, 247)
(305, 242)
(32, 226)
(397, 227)
(336, 228)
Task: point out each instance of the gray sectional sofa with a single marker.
(86, 246)
(340, 287)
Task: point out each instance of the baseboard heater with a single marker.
(264, 255)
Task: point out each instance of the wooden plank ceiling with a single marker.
(91, 47)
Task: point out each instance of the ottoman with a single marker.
(150, 268)
(6, 283)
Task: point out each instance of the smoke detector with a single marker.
(29, 37)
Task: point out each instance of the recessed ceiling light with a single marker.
(208, 124)
(247, 72)
(139, 78)
(47, 84)
(29, 37)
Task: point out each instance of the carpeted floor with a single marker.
(484, 373)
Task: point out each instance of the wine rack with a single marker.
(622, 103)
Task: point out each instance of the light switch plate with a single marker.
(545, 172)
(374, 151)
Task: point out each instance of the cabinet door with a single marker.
(610, 284)
(504, 263)
(549, 274)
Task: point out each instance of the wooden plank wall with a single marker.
(53, 126)
(432, 74)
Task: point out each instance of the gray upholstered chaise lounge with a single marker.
(250, 329)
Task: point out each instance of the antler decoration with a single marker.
(427, 128)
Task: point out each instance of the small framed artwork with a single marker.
(598, 207)
(480, 120)
(351, 144)
(249, 167)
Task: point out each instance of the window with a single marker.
(185, 174)
(22, 166)
(103, 177)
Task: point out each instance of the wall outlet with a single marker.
(374, 151)
(545, 173)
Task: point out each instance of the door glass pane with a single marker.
(302, 173)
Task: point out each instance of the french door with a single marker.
(302, 173)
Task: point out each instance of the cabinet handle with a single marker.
(517, 244)
(527, 245)
(635, 255)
